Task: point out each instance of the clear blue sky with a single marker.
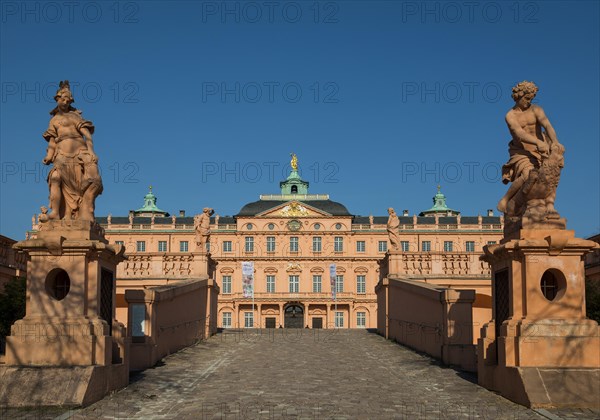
(381, 100)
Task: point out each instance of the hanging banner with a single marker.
(332, 275)
(248, 279)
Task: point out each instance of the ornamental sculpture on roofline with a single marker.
(202, 227)
(74, 180)
(536, 160)
(294, 162)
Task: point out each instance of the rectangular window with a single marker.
(339, 320)
(270, 244)
(248, 319)
(360, 246)
(339, 283)
(382, 246)
(119, 242)
(361, 319)
(226, 285)
(138, 320)
(491, 242)
(141, 246)
(338, 244)
(426, 246)
(361, 284)
(270, 284)
(183, 246)
(448, 246)
(227, 246)
(317, 244)
(293, 244)
(404, 246)
(249, 241)
(294, 284)
(470, 246)
(316, 284)
(226, 320)
(162, 246)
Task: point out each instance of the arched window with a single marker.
(294, 189)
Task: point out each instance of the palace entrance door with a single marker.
(294, 316)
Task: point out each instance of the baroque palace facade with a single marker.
(293, 239)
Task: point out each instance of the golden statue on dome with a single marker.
(294, 161)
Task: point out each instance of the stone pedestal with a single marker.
(202, 265)
(391, 265)
(540, 350)
(70, 312)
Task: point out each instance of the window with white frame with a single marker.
(162, 246)
(338, 244)
(470, 246)
(227, 246)
(360, 246)
(448, 246)
(404, 246)
(248, 319)
(339, 283)
(426, 246)
(183, 246)
(361, 319)
(226, 320)
(141, 246)
(339, 319)
(317, 244)
(249, 244)
(270, 244)
(361, 283)
(270, 284)
(382, 246)
(226, 285)
(294, 283)
(293, 244)
(316, 284)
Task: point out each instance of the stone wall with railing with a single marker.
(164, 319)
(435, 320)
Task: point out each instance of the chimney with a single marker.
(404, 212)
(490, 212)
(181, 213)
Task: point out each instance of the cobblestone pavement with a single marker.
(303, 374)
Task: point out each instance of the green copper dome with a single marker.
(149, 207)
(439, 206)
(294, 184)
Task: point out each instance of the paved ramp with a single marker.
(303, 374)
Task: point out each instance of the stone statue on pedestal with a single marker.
(74, 180)
(539, 337)
(202, 227)
(536, 160)
(392, 228)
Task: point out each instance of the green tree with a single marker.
(592, 300)
(12, 304)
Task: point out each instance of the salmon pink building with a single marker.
(314, 263)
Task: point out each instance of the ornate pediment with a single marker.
(293, 209)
